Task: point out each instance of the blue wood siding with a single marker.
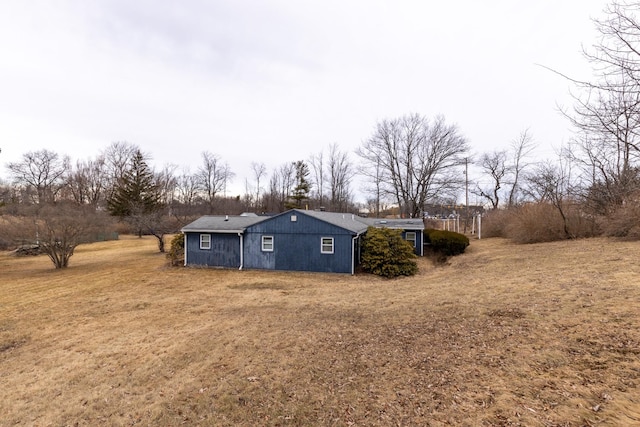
(224, 251)
(419, 240)
(297, 245)
(254, 257)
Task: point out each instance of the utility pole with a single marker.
(466, 197)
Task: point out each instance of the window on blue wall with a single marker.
(205, 241)
(410, 236)
(267, 243)
(326, 245)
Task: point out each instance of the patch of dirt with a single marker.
(12, 344)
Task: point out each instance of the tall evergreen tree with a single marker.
(303, 187)
(136, 194)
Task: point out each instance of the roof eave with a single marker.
(209, 230)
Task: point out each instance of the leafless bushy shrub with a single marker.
(542, 222)
(582, 224)
(121, 227)
(623, 222)
(533, 223)
(494, 223)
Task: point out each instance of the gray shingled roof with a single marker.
(224, 224)
(400, 223)
(347, 221)
(359, 224)
(353, 223)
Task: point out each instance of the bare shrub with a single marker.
(494, 222)
(542, 222)
(122, 227)
(534, 222)
(582, 224)
(623, 222)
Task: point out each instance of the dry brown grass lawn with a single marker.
(537, 335)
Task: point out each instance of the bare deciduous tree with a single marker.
(280, 187)
(606, 111)
(57, 229)
(608, 146)
(333, 172)
(41, 173)
(504, 170)
(213, 177)
(187, 187)
(259, 171)
(318, 178)
(159, 223)
(166, 183)
(494, 166)
(418, 159)
(340, 174)
(618, 53)
(521, 150)
(86, 182)
(117, 158)
(552, 183)
(373, 174)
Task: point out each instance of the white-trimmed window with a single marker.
(326, 245)
(267, 243)
(205, 241)
(410, 236)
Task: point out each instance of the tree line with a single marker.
(44, 177)
(407, 161)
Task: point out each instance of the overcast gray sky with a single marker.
(274, 81)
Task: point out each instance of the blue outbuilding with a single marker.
(296, 240)
(217, 241)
